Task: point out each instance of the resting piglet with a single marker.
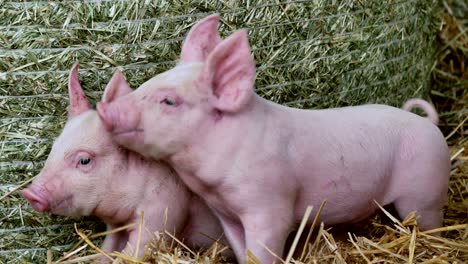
(258, 164)
(86, 173)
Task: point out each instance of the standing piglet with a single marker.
(258, 164)
(87, 174)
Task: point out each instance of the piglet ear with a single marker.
(78, 101)
(230, 73)
(201, 40)
(116, 87)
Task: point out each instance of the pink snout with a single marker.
(120, 119)
(36, 199)
(104, 115)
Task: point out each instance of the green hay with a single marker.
(309, 54)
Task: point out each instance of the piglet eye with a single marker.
(168, 101)
(85, 161)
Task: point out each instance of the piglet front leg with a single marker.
(113, 242)
(263, 236)
(134, 239)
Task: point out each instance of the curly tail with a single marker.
(424, 105)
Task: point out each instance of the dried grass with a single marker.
(310, 54)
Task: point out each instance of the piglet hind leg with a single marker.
(430, 215)
(421, 173)
(424, 191)
(427, 197)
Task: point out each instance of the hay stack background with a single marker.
(310, 54)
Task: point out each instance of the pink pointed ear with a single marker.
(78, 101)
(116, 87)
(201, 40)
(230, 73)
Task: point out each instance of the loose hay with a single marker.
(310, 54)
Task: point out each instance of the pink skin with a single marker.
(86, 173)
(258, 164)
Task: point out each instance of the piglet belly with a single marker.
(339, 208)
(347, 198)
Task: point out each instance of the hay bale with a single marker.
(309, 53)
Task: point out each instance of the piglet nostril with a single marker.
(37, 202)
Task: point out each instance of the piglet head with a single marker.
(214, 79)
(78, 170)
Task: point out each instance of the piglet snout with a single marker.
(102, 109)
(121, 119)
(36, 199)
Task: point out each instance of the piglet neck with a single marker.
(136, 162)
(125, 191)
